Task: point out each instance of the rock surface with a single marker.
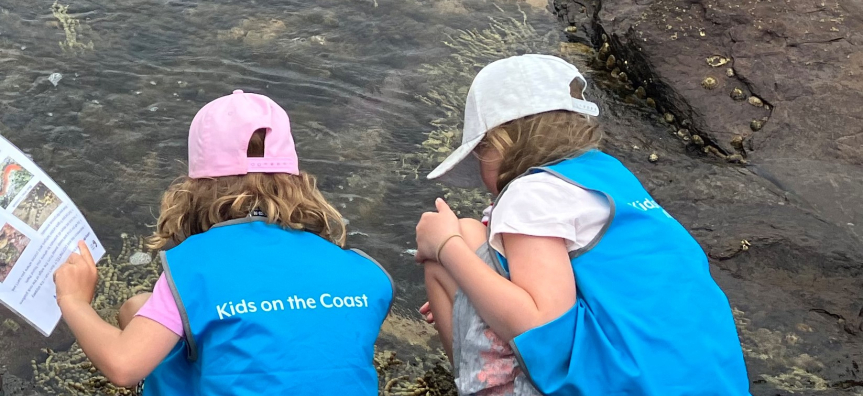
(777, 209)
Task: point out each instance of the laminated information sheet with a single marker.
(39, 228)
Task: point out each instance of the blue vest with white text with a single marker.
(269, 311)
(649, 320)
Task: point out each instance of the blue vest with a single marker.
(268, 311)
(648, 320)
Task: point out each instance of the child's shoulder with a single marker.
(538, 189)
(544, 204)
(543, 182)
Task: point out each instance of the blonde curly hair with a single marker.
(193, 206)
(538, 139)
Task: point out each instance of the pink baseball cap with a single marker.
(220, 134)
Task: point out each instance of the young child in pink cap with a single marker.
(258, 296)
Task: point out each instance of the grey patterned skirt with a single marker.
(484, 363)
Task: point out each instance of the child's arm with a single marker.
(126, 356)
(542, 286)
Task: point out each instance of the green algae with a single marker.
(471, 49)
(71, 28)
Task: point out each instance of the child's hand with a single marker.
(426, 312)
(433, 229)
(76, 278)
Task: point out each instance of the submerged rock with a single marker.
(140, 258)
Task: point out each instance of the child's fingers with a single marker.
(442, 206)
(420, 256)
(426, 313)
(85, 253)
(74, 259)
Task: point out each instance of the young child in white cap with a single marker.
(581, 284)
(258, 297)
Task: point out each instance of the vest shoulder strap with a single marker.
(392, 283)
(191, 346)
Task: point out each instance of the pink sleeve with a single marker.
(162, 308)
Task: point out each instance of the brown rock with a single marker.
(797, 200)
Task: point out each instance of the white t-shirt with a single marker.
(544, 205)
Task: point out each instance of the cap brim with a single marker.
(460, 169)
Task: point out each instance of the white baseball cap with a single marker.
(503, 91)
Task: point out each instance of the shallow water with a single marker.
(374, 89)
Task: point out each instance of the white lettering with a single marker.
(324, 303)
(326, 300)
(300, 302)
(648, 204)
(242, 308)
(221, 310)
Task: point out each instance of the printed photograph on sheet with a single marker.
(37, 206)
(13, 178)
(12, 245)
